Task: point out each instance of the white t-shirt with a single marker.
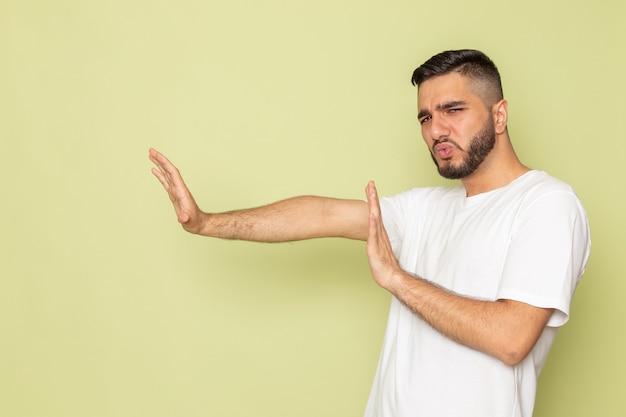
(528, 241)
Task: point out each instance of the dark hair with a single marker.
(468, 62)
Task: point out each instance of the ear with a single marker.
(500, 112)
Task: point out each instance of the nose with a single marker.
(438, 128)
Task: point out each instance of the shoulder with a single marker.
(551, 204)
(540, 182)
(539, 186)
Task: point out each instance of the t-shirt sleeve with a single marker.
(547, 254)
(393, 210)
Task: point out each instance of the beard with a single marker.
(480, 146)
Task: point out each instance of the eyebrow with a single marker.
(443, 106)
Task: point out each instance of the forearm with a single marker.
(293, 219)
(505, 329)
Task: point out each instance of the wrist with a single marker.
(206, 225)
(403, 283)
(396, 283)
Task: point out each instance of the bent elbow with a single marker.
(514, 352)
(518, 336)
(512, 358)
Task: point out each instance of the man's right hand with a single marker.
(189, 214)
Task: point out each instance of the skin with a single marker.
(449, 108)
(297, 218)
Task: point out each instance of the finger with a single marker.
(369, 192)
(374, 212)
(169, 173)
(161, 178)
(183, 217)
(377, 231)
(372, 199)
(153, 155)
(164, 164)
(159, 171)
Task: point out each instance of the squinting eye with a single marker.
(424, 120)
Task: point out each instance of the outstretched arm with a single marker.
(293, 219)
(505, 329)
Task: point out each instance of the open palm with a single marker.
(187, 211)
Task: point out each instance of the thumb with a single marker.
(183, 217)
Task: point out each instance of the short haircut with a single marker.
(469, 63)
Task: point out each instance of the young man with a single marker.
(481, 274)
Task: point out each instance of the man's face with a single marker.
(456, 126)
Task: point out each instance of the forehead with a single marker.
(442, 89)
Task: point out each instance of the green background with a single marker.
(107, 308)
